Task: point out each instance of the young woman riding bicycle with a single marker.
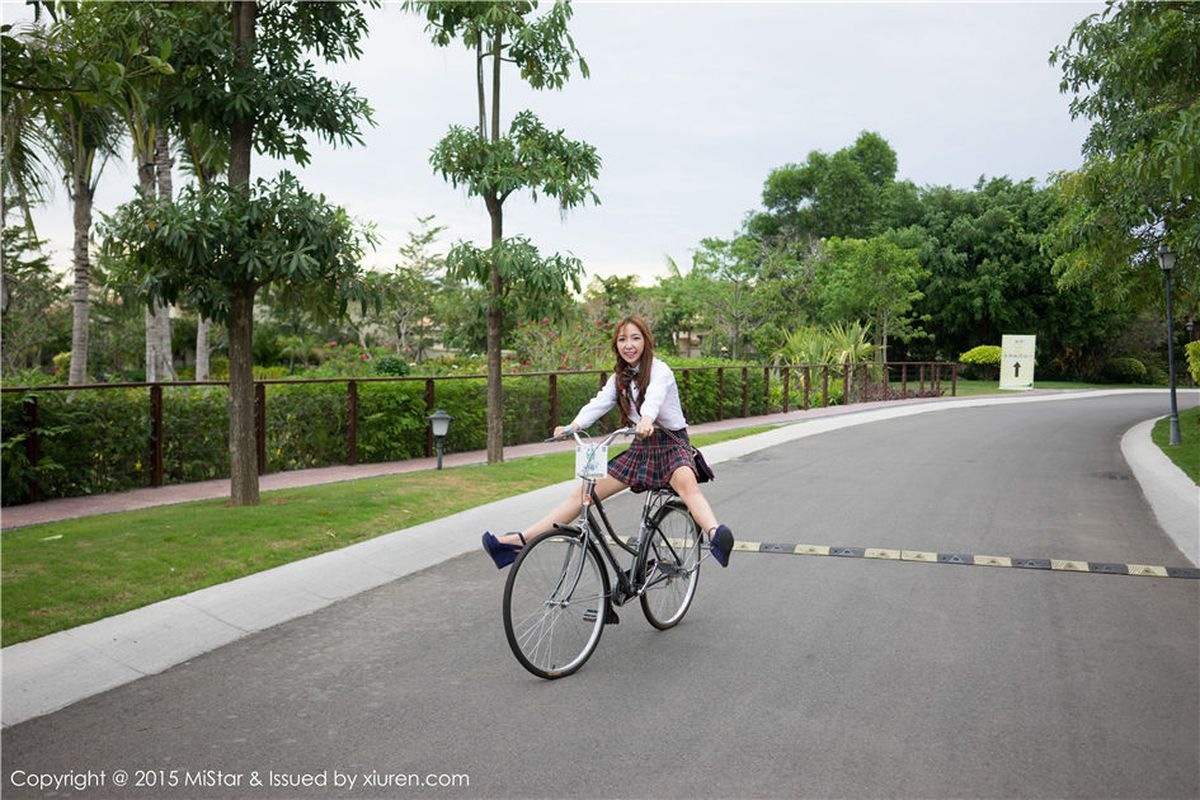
(645, 390)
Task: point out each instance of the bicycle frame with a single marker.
(589, 529)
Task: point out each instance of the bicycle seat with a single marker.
(668, 491)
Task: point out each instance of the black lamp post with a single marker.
(1166, 259)
(440, 421)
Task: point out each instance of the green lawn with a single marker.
(62, 574)
(1187, 454)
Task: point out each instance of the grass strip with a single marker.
(62, 574)
(1187, 454)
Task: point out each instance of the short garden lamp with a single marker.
(1166, 259)
(440, 422)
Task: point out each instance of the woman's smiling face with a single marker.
(630, 343)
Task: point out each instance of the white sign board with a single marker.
(1016, 361)
(591, 460)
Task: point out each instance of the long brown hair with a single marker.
(624, 371)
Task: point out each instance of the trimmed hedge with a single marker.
(1192, 349)
(96, 441)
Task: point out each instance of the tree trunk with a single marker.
(495, 315)
(495, 325)
(243, 446)
(479, 79)
(81, 197)
(202, 347)
(163, 162)
(145, 168)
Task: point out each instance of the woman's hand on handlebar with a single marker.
(645, 427)
(562, 429)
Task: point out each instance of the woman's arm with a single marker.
(662, 383)
(598, 406)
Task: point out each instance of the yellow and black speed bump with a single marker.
(971, 560)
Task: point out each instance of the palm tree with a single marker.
(84, 138)
(79, 133)
(205, 155)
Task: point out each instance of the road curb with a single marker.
(46, 674)
(1171, 494)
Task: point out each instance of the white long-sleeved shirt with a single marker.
(661, 404)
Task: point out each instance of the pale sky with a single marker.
(690, 105)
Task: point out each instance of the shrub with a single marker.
(1124, 370)
(1193, 360)
(91, 441)
(218, 368)
(390, 365)
(982, 362)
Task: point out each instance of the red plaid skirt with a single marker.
(649, 463)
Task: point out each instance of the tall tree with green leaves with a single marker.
(1134, 71)
(724, 274)
(874, 279)
(851, 193)
(492, 165)
(260, 89)
(409, 292)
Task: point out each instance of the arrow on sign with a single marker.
(1017, 369)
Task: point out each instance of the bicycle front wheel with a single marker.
(555, 604)
(672, 566)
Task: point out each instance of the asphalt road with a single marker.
(790, 677)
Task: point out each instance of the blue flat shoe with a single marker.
(722, 544)
(502, 554)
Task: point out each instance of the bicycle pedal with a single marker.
(610, 618)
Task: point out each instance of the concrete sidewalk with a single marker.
(46, 674)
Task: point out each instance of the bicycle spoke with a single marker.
(549, 603)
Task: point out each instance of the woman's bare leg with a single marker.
(683, 481)
(566, 511)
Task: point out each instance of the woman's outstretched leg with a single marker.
(566, 511)
(683, 481)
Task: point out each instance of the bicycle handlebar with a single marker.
(571, 432)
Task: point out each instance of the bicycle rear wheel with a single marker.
(672, 566)
(555, 603)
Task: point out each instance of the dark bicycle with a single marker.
(559, 594)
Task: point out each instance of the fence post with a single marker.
(887, 393)
(807, 384)
(260, 425)
(352, 422)
(766, 390)
(787, 379)
(745, 390)
(904, 380)
(825, 386)
(847, 383)
(720, 393)
(31, 446)
(553, 402)
(429, 398)
(687, 376)
(156, 435)
(954, 379)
